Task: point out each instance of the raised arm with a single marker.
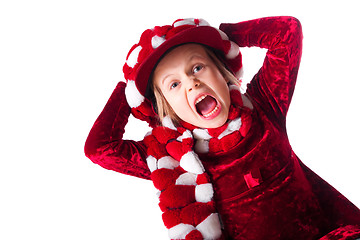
(105, 146)
(274, 84)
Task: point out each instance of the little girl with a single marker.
(220, 159)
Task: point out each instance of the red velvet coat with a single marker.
(291, 202)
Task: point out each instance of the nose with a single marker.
(193, 83)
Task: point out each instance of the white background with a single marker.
(59, 63)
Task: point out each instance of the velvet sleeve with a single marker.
(105, 146)
(272, 87)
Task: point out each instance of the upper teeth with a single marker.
(200, 99)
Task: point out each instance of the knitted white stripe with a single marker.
(203, 22)
(180, 231)
(190, 162)
(234, 51)
(202, 137)
(222, 34)
(156, 41)
(188, 21)
(133, 96)
(202, 146)
(132, 60)
(185, 135)
(233, 126)
(210, 228)
(186, 179)
(167, 122)
(204, 192)
(152, 163)
(167, 162)
(200, 133)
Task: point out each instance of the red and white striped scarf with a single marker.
(186, 192)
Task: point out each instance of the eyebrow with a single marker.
(164, 78)
(196, 56)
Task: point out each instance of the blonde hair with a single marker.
(163, 108)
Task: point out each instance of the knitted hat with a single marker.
(155, 42)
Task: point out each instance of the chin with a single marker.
(214, 123)
(218, 124)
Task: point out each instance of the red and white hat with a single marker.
(155, 42)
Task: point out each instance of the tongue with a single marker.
(206, 105)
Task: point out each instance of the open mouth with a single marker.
(207, 106)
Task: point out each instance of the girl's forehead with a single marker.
(182, 54)
(186, 50)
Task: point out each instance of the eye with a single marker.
(197, 68)
(174, 85)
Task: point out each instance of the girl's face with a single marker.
(193, 86)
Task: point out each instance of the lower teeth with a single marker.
(212, 112)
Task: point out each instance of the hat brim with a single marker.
(205, 35)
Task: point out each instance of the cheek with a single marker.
(226, 95)
(177, 103)
(222, 90)
(182, 109)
